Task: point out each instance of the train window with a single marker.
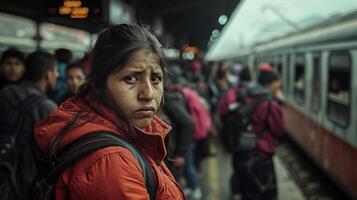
(299, 79)
(316, 84)
(339, 88)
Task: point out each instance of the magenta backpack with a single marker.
(198, 111)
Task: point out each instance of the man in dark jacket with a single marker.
(40, 77)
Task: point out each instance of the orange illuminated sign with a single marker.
(74, 8)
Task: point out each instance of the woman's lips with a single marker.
(145, 112)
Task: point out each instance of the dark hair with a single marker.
(113, 48)
(245, 74)
(267, 77)
(13, 53)
(38, 63)
(63, 55)
(75, 65)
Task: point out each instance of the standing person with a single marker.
(122, 95)
(64, 58)
(12, 67)
(41, 77)
(229, 98)
(75, 76)
(254, 168)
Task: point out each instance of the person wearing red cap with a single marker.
(254, 168)
(267, 77)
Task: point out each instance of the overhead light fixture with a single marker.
(215, 32)
(222, 20)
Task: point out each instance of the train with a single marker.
(317, 66)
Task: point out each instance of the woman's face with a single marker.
(13, 69)
(137, 88)
(75, 78)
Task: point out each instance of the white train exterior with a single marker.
(318, 69)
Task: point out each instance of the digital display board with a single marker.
(75, 9)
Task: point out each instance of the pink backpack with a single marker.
(199, 113)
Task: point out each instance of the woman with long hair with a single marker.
(122, 94)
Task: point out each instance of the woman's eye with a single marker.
(130, 79)
(156, 79)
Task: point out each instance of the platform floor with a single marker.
(216, 171)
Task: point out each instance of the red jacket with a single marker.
(111, 172)
(274, 120)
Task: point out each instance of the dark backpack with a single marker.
(235, 133)
(24, 171)
(17, 160)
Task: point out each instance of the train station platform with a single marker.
(216, 171)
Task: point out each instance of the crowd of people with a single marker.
(168, 110)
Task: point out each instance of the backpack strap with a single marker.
(251, 107)
(26, 106)
(92, 142)
(32, 101)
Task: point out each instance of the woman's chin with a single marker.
(142, 123)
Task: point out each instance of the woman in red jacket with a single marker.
(122, 94)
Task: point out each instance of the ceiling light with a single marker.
(222, 20)
(215, 32)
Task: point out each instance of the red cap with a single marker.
(265, 67)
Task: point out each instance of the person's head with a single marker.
(221, 72)
(63, 55)
(245, 75)
(176, 75)
(268, 78)
(127, 74)
(75, 76)
(12, 65)
(42, 67)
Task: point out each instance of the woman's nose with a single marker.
(146, 91)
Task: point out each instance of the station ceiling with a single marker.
(188, 22)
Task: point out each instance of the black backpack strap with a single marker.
(94, 141)
(251, 107)
(26, 106)
(31, 101)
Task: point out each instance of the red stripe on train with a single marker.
(337, 157)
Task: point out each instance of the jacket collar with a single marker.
(149, 140)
